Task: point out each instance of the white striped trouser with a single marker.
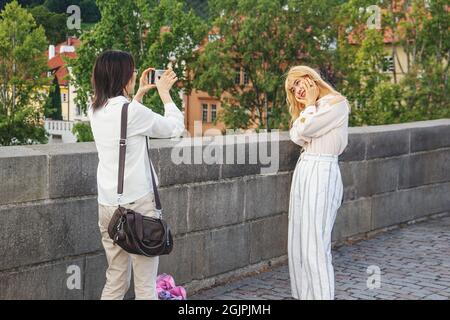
(316, 194)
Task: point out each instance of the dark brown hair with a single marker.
(112, 72)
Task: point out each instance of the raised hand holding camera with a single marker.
(164, 84)
(162, 80)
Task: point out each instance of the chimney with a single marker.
(51, 52)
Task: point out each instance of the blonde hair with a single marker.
(296, 73)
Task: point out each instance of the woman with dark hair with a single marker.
(113, 80)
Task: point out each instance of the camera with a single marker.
(154, 75)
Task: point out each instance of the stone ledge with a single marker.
(55, 171)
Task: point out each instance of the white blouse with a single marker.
(142, 122)
(323, 128)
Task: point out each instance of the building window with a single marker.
(246, 78)
(78, 110)
(237, 77)
(389, 65)
(213, 112)
(204, 112)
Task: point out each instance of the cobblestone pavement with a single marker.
(414, 262)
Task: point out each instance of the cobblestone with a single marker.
(414, 263)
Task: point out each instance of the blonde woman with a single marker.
(319, 125)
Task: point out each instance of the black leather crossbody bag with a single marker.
(132, 231)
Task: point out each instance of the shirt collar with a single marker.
(116, 100)
(324, 98)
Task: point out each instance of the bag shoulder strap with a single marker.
(155, 187)
(122, 154)
(122, 150)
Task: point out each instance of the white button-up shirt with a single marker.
(142, 122)
(323, 128)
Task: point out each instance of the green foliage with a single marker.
(426, 89)
(24, 3)
(22, 64)
(263, 38)
(52, 108)
(280, 118)
(120, 28)
(52, 15)
(53, 23)
(199, 6)
(175, 46)
(83, 132)
(89, 9)
(379, 98)
(235, 118)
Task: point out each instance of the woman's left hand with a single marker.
(311, 92)
(144, 86)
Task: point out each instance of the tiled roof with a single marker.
(57, 64)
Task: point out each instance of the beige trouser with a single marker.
(118, 274)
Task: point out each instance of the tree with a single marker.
(54, 23)
(135, 26)
(360, 61)
(89, 9)
(427, 41)
(83, 132)
(172, 36)
(22, 64)
(381, 98)
(53, 106)
(120, 29)
(24, 3)
(261, 39)
(199, 6)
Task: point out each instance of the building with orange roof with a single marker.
(203, 109)
(60, 131)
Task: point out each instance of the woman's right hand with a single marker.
(167, 80)
(164, 84)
